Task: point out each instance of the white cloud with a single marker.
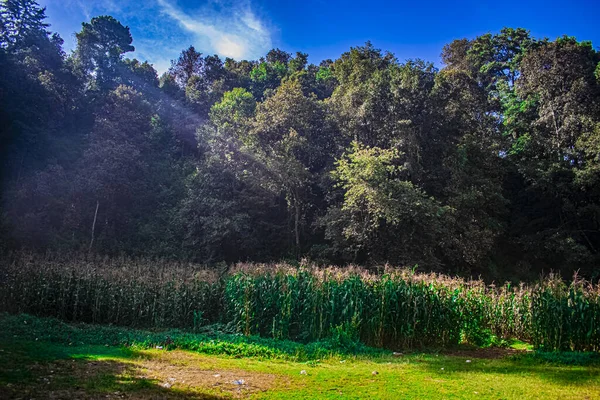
(89, 9)
(161, 29)
(158, 52)
(229, 30)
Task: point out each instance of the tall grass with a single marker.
(394, 308)
(566, 317)
(119, 291)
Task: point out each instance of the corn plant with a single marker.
(395, 308)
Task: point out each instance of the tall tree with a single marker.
(294, 141)
(189, 63)
(383, 216)
(553, 122)
(101, 44)
(21, 21)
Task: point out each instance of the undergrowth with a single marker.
(214, 342)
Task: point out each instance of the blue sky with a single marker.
(323, 29)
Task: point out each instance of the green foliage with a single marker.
(27, 327)
(520, 145)
(236, 105)
(377, 199)
(324, 74)
(267, 76)
(292, 142)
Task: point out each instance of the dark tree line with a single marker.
(489, 165)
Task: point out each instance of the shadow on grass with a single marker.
(36, 370)
(514, 366)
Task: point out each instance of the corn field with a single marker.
(394, 308)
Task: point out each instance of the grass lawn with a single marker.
(61, 365)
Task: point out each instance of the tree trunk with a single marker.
(94, 225)
(297, 225)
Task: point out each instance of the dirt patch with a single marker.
(189, 378)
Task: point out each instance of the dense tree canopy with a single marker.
(489, 165)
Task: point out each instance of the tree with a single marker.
(39, 95)
(488, 166)
(464, 170)
(294, 144)
(490, 59)
(553, 123)
(22, 21)
(139, 75)
(189, 63)
(266, 77)
(361, 101)
(278, 56)
(227, 213)
(298, 63)
(128, 171)
(233, 112)
(100, 48)
(383, 217)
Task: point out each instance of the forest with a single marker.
(368, 227)
(487, 166)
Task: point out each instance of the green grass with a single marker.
(45, 358)
(27, 327)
